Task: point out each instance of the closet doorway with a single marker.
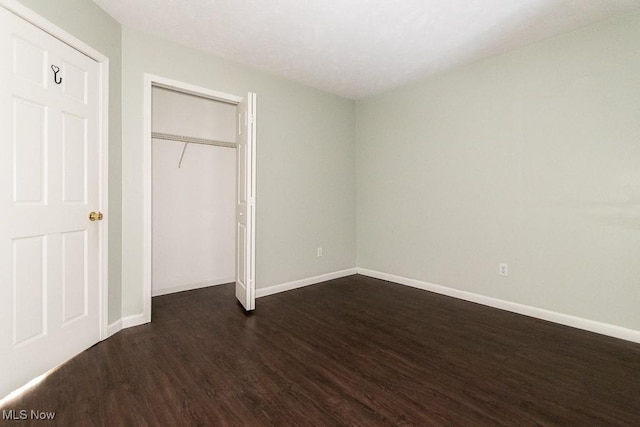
(193, 191)
(200, 192)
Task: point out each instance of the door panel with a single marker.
(74, 276)
(29, 289)
(29, 147)
(74, 82)
(29, 61)
(74, 147)
(245, 212)
(49, 182)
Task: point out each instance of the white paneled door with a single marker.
(49, 184)
(245, 212)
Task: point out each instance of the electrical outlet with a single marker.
(504, 270)
(319, 252)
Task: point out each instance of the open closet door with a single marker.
(245, 211)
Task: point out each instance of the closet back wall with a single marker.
(194, 205)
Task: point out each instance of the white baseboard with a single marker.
(270, 290)
(126, 322)
(134, 320)
(114, 328)
(190, 286)
(539, 313)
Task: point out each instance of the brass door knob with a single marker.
(95, 216)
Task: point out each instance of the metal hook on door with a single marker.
(57, 80)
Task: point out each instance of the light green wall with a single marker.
(531, 158)
(305, 164)
(89, 23)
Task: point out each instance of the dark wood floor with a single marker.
(353, 351)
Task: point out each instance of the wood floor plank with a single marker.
(352, 351)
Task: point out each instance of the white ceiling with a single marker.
(357, 48)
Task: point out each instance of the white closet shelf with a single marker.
(192, 140)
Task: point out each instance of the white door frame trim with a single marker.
(103, 64)
(151, 80)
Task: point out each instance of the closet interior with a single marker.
(193, 191)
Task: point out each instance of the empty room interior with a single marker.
(320, 213)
